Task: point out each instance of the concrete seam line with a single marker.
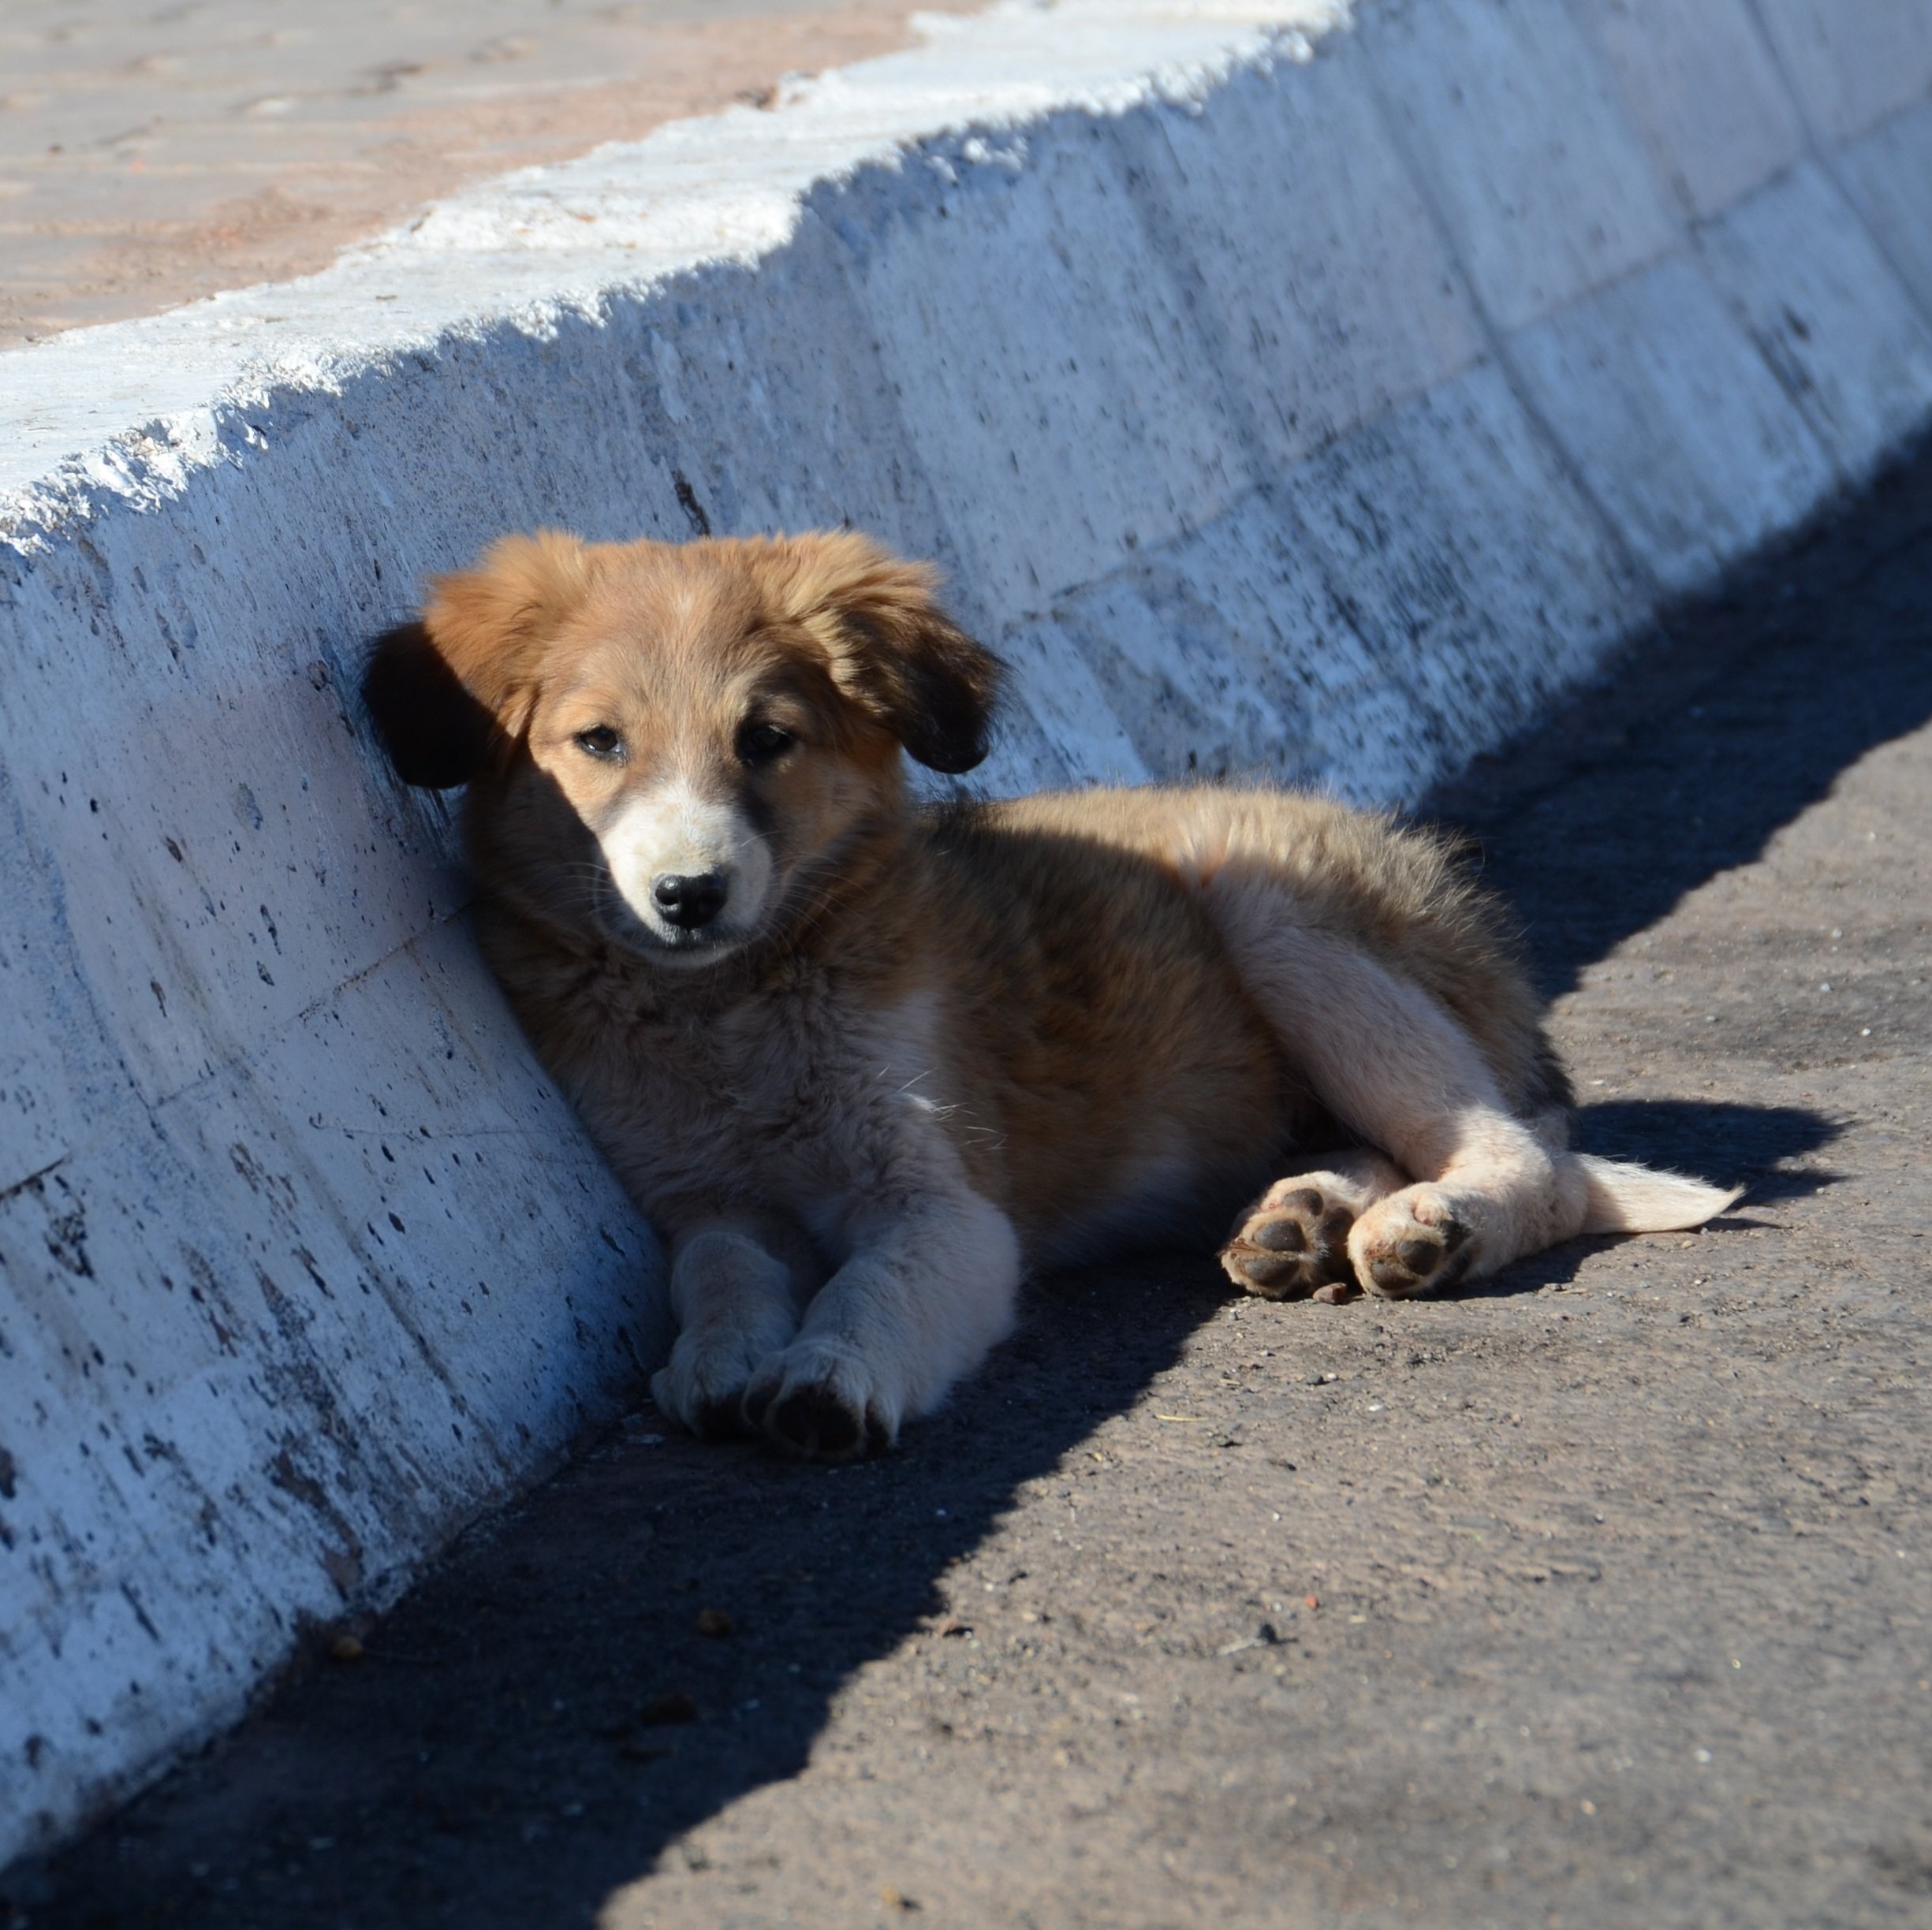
(1826, 155)
(1497, 343)
(1155, 336)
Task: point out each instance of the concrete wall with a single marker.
(1316, 416)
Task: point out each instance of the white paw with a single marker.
(702, 1386)
(1294, 1240)
(825, 1402)
(1420, 1240)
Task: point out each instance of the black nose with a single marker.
(689, 902)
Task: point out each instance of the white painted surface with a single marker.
(1703, 87)
(1883, 175)
(1526, 148)
(1319, 418)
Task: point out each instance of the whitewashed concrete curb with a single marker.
(1321, 416)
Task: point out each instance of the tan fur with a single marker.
(913, 1053)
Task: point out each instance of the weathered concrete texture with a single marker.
(1325, 419)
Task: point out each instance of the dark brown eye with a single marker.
(601, 741)
(758, 743)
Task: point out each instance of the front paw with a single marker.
(701, 1385)
(824, 1402)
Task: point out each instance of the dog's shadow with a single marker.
(1754, 1143)
(665, 1628)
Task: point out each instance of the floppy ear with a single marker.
(445, 692)
(893, 651)
(436, 733)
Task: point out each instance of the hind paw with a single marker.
(1291, 1243)
(1415, 1242)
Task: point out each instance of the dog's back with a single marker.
(1400, 893)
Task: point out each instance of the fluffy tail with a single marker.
(1623, 1198)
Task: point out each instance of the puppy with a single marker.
(866, 1065)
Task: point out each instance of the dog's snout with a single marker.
(690, 872)
(688, 902)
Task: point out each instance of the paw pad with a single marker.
(1425, 1257)
(1285, 1236)
(815, 1421)
(1293, 1245)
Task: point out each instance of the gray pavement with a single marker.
(151, 152)
(1594, 1595)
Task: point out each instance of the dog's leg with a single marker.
(735, 1290)
(1292, 1242)
(1385, 1058)
(928, 1289)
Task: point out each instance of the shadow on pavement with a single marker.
(1749, 1143)
(541, 1717)
(543, 1714)
(1722, 726)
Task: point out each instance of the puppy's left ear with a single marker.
(893, 651)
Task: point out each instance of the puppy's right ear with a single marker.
(448, 692)
(436, 733)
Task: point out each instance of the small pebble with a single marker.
(714, 1622)
(345, 1648)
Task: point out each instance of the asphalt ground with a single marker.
(151, 152)
(1594, 1594)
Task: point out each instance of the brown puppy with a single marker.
(866, 1065)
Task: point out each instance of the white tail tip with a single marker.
(1625, 1198)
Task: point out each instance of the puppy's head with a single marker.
(675, 745)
